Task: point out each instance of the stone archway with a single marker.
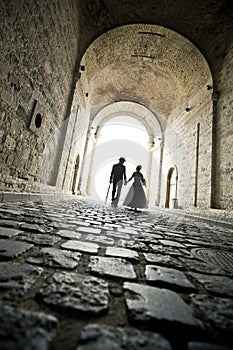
(161, 72)
(152, 125)
(149, 119)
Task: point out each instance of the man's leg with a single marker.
(113, 190)
(119, 187)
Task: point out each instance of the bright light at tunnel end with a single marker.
(120, 137)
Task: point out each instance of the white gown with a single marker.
(136, 197)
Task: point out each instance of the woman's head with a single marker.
(139, 167)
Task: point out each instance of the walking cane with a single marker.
(107, 193)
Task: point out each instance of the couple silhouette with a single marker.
(135, 197)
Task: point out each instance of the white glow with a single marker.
(120, 137)
(126, 128)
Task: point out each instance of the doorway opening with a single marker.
(75, 175)
(171, 192)
(121, 136)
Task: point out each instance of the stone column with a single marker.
(214, 199)
(93, 138)
(149, 165)
(160, 173)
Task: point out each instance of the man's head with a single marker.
(122, 160)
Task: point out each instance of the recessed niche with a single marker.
(37, 117)
(38, 120)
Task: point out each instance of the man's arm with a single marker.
(124, 176)
(130, 178)
(112, 175)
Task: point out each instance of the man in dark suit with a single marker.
(116, 178)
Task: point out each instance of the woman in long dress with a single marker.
(136, 197)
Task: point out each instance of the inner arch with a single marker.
(120, 136)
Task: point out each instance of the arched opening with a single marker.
(120, 136)
(135, 134)
(171, 192)
(166, 75)
(76, 169)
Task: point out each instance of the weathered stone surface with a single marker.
(168, 278)
(112, 267)
(122, 253)
(11, 249)
(112, 225)
(76, 292)
(69, 234)
(174, 235)
(118, 235)
(169, 243)
(215, 284)
(39, 238)
(95, 223)
(219, 311)
(127, 231)
(102, 240)
(95, 231)
(11, 212)
(133, 245)
(55, 258)
(86, 247)
(173, 251)
(8, 232)
(79, 223)
(9, 223)
(102, 337)
(146, 303)
(198, 242)
(165, 260)
(21, 329)
(119, 314)
(147, 238)
(200, 266)
(35, 228)
(205, 346)
(16, 279)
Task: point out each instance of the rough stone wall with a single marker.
(180, 150)
(39, 49)
(73, 147)
(224, 175)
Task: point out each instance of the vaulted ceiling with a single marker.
(208, 24)
(157, 53)
(147, 64)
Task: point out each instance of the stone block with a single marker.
(74, 292)
(22, 329)
(116, 267)
(16, 279)
(55, 258)
(11, 249)
(81, 246)
(168, 278)
(105, 337)
(151, 304)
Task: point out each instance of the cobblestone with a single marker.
(149, 304)
(75, 292)
(116, 267)
(168, 277)
(81, 275)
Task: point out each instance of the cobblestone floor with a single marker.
(82, 275)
